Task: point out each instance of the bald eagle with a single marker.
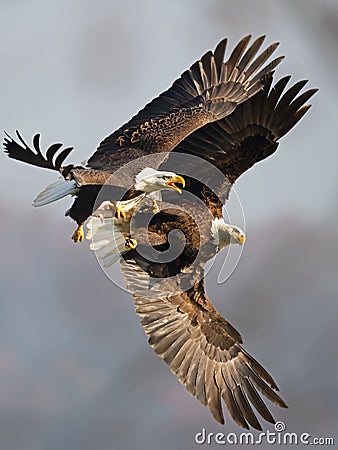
(210, 90)
(221, 118)
(108, 233)
(201, 348)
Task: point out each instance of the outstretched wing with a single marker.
(248, 135)
(183, 326)
(209, 90)
(22, 152)
(201, 348)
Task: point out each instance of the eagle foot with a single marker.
(78, 235)
(119, 213)
(130, 243)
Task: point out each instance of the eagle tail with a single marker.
(53, 192)
(107, 241)
(22, 152)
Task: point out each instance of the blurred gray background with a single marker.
(76, 372)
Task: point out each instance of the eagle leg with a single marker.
(78, 235)
(156, 209)
(130, 243)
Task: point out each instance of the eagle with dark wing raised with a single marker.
(210, 90)
(212, 125)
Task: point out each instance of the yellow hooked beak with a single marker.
(241, 239)
(177, 179)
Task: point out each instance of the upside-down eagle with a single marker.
(222, 115)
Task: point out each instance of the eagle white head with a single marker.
(151, 180)
(224, 234)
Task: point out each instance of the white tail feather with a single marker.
(107, 241)
(59, 189)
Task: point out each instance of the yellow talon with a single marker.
(130, 243)
(120, 213)
(78, 235)
(156, 209)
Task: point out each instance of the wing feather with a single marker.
(251, 53)
(22, 152)
(212, 390)
(209, 90)
(256, 400)
(202, 349)
(236, 54)
(228, 395)
(270, 111)
(251, 133)
(219, 55)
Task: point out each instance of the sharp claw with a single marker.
(120, 213)
(78, 235)
(156, 209)
(130, 243)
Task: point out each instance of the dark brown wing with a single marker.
(185, 329)
(201, 348)
(22, 152)
(208, 91)
(248, 135)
